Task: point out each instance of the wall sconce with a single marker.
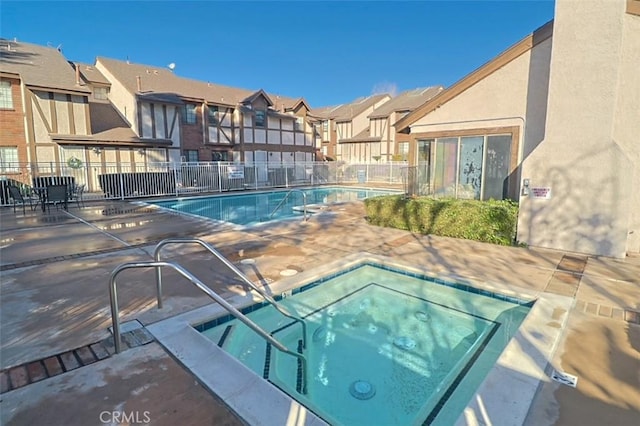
(141, 151)
(97, 150)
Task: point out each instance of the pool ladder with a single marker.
(304, 203)
(158, 265)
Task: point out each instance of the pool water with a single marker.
(383, 346)
(254, 208)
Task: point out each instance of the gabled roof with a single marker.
(256, 95)
(524, 45)
(162, 80)
(296, 104)
(38, 66)
(90, 74)
(406, 101)
(346, 112)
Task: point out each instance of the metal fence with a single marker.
(124, 181)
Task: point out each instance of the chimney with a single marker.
(139, 83)
(77, 74)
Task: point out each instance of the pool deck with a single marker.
(56, 359)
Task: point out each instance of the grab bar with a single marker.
(115, 314)
(304, 203)
(228, 264)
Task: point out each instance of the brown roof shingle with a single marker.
(163, 80)
(38, 66)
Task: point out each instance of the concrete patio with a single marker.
(54, 303)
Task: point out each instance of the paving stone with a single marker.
(36, 371)
(130, 340)
(605, 311)
(617, 314)
(109, 345)
(632, 316)
(69, 361)
(99, 351)
(19, 377)
(4, 382)
(85, 355)
(592, 308)
(142, 336)
(53, 366)
(580, 305)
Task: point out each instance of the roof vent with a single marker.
(155, 72)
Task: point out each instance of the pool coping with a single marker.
(504, 396)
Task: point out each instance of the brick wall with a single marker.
(12, 122)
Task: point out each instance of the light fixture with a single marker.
(141, 151)
(97, 150)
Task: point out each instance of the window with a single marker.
(9, 159)
(189, 116)
(6, 100)
(191, 155)
(325, 126)
(299, 124)
(101, 93)
(213, 115)
(474, 167)
(259, 118)
(220, 156)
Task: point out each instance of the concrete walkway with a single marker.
(54, 300)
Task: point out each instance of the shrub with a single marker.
(487, 221)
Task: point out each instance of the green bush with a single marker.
(488, 221)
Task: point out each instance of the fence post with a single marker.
(219, 177)
(255, 174)
(390, 172)
(175, 179)
(121, 186)
(366, 172)
(286, 176)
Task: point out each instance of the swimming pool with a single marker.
(383, 347)
(253, 208)
(502, 397)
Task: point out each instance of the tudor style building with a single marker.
(209, 121)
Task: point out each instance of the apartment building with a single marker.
(211, 122)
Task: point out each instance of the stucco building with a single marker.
(554, 122)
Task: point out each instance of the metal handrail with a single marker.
(115, 315)
(228, 264)
(304, 203)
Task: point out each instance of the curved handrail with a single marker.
(304, 203)
(228, 264)
(115, 315)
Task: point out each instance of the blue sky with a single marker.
(330, 52)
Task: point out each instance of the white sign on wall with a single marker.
(544, 193)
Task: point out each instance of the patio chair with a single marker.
(57, 195)
(18, 198)
(76, 193)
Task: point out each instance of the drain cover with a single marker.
(248, 261)
(362, 389)
(564, 378)
(288, 272)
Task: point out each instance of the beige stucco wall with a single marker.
(585, 157)
(121, 98)
(626, 121)
(501, 99)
